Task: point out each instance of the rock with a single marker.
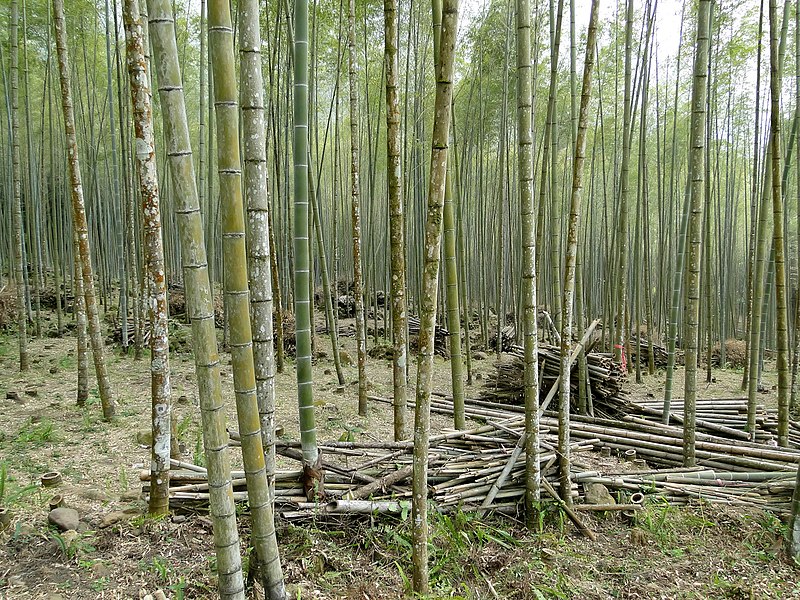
(144, 438)
(64, 518)
(69, 536)
(93, 494)
(130, 496)
(638, 537)
(597, 493)
(118, 516)
(100, 570)
(159, 595)
(479, 355)
(178, 519)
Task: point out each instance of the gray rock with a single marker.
(64, 518)
(597, 493)
(119, 516)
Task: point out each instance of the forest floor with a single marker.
(669, 552)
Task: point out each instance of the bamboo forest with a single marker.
(358, 299)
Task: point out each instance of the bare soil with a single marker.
(696, 552)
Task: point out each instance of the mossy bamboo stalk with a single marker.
(256, 190)
(308, 433)
(529, 305)
(694, 233)
(782, 316)
(79, 215)
(571, 259)
(19, 257)
(430, 287)
(154, 259)
(355, 213)
(396, 224)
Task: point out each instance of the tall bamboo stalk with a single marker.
(355, 208)
(571, 258)
(396, 222)
(154, 259)
(308, 432)
(695, 235)
(531, 333)
(79, 215)
(235, 276)
(199, 306)
(19, 260)
(782, 316)
(430, 288)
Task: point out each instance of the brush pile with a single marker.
(505, 385)
(482, 469)
(439, 340)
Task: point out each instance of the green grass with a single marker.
(35, 434)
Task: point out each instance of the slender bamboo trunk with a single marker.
(396, 222)
(235, 275)
(569, 267)
(697, 175)
(430, 288)
(782, 317)
(308, 433)
(19, 259)
(530, 330)
(154, 260)
(199, 298)
(79, 215)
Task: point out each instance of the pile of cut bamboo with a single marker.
(505, 385)
(482, 469)
(726, 417)
(439, 341)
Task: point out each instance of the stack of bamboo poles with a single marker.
(505, 385)
(482, 469)
(769, 490)
(726, 417)
(478, 469)
(660, 355)
(439, 341)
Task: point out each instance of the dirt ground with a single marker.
(698, 552)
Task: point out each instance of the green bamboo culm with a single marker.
(694, 239)
(19, 256)
(302, 308)
(199, 306)
(235, 284)
(256, 190)
(430, 289)
(527, 212)
(396, 222)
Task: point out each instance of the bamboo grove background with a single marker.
(484, 144)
